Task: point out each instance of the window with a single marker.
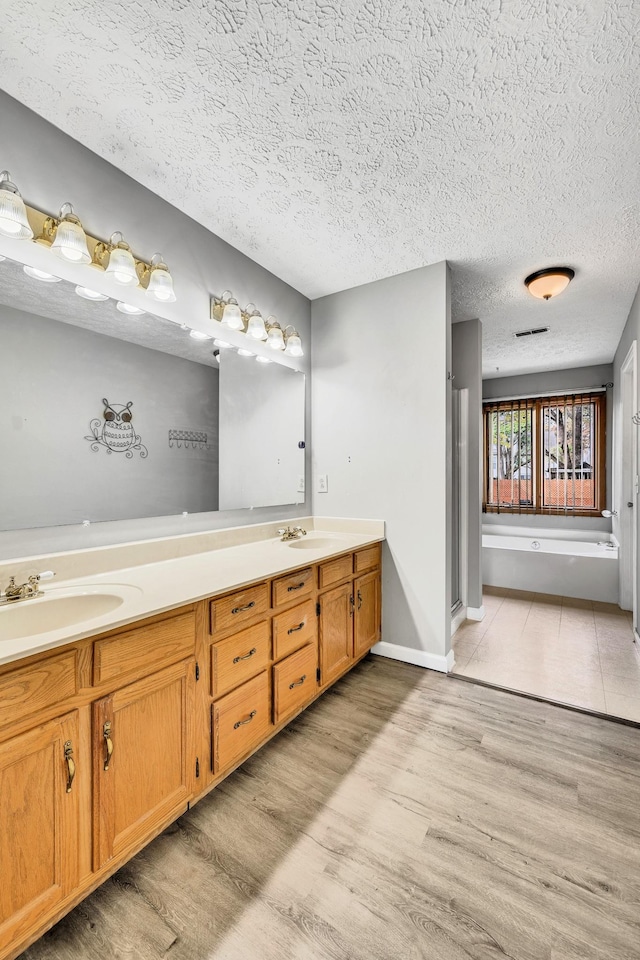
(545, 455)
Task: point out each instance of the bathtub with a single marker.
(582, 565)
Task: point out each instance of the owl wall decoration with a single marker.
(115, 431)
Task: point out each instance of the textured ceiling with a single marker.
(342, 141)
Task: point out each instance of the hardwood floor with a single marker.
(404, 816)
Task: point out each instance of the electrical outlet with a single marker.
(323, 483)
(300, 487)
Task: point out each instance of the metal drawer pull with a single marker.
(240, 723)
(359, 600)
(297, 586)
(71, 766)
(298, 683)
(242, 609)
(108, 743)
(295, 629)
(246, 656)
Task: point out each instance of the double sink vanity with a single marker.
(128, 693)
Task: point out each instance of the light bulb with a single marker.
(88, 294)
(198, 335)
(14, 222)
(122, 266)
(70, 241)
(128, 309)
(242, 352)
(263, 359)
(294, 346)
(232, 315)
(40, 275)
(256, 328)
(222, 344)
(161, 282)
(275, 339)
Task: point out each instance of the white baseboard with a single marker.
(458, 619)
(635, 636)
(475, 613)
(420, 658)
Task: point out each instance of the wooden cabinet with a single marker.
(239, 657)
(38, 825)
(294, 629)
(336, 634)
(240, 722)
(144, 762)
(294, 682)
(366, 616)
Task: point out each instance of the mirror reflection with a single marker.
(108, 416)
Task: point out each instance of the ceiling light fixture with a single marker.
(225, 309)
(293, 342)
(129, 309)
(13, 213)
(548, 283)
(275, 337)
(121, 266)
(159, 282)
(36, 274)
(255, 323)
(70, 240)
(250, 322)
(88, 294)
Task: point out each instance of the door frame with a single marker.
(627, 521)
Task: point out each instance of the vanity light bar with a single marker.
(226, 311)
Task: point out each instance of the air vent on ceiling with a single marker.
(532, 333)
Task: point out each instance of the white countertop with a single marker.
(147, 589)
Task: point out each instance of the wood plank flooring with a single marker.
(404, 816)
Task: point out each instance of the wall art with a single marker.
(115, 431)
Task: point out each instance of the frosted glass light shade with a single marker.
(232, 316)
(13, 213)
(545, 284)
(88, 294)
(161, 284)
(263, 359)
(222, 344)
(294, 346)
(256, 328)
(36, 274)
(275, 339)
(243, 352)
(198, 335)
(122, 267)
(70, 241)
(130, 310)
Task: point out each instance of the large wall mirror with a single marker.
(106, 416)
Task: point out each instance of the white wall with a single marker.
(50, 168)
(381, 430)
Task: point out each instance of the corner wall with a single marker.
(381, 432)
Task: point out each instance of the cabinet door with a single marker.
(366, 627)
(38, 825)
(336, 632)
(144, 759)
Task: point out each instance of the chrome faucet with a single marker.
(25, 591)
(286, 533)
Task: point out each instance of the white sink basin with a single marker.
(318, 543)
(61, 608)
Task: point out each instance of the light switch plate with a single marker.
(323, 483)
(300, 487)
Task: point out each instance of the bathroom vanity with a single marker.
(109, 735)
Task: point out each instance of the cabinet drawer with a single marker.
(294, 682)
(335, 570)
(29, 690)
(240, 722)
(239, 658)
(294, 629)
(144, 650)
(239, 607)
(294, 586)
(367, 558)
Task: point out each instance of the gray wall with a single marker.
(530, 384)
(53, 377)
(466, 365)
(51, 168)
(381, 434)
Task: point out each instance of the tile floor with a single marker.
(579, 652)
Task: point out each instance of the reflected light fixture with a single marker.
(216, 354)
(36, 274)
(160, 281)
(243, 352)
(2, 258)
(13, 213)
(198, 335)
(548, 283)
(129, 309)
(275, 338)
(293, 343)
(121, 266)
(263, 359)
(70, 241)
(222, 344)
(88, 294)
(255, 324)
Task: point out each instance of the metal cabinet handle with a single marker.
(242, 609)
(108, 744)
(241, 723)
(295, 629)
(246, 656)
(351, 605)
(71, 766)
(298, 683)
(296, 586)
(359, 600)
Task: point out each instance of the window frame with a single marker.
(535, 404)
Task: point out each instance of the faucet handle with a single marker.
(281, 531)
(299, 530)
(46, 575)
